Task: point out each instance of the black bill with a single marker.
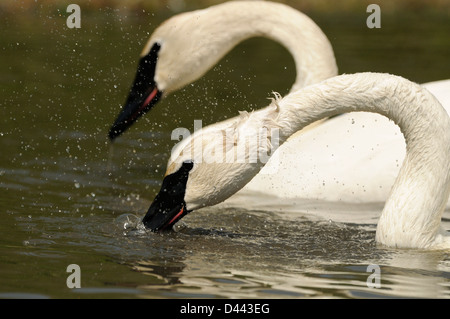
(169, 205)
(144, 94)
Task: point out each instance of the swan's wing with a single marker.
(441, 90)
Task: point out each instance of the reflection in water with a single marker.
(264, 254)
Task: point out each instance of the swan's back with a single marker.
(352, 158)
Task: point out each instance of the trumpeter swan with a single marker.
(360, 153)
(412, 213)
(186, 46)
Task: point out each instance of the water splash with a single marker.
(130, 225)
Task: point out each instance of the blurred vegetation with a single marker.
(173, 6)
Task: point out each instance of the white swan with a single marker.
(359, 159)
(412, 213)
(186, 46)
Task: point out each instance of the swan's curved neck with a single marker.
(412, 214)
(312, 52)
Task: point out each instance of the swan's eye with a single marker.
(187, 165)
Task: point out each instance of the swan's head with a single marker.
(197, 177)
(191, 185)
(211, 165)
(180, 51)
